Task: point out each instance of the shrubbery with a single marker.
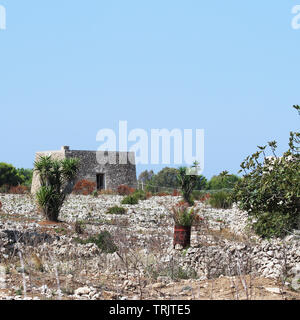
(18, 190)
(124, 190)
(221, 200)
(270, 188)
(131, 199)
(116, 210)
(12, 177)
(84, 187)
(103, 240)
(273, 224)
(140, 195)
(200, 195)
(223, 181)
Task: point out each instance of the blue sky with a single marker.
(70, 68)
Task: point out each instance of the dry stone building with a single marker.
(108, 171)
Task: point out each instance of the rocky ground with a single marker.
(42, 260)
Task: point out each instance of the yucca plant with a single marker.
(187, 179)
(57, 179)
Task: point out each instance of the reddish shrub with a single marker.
(148, 195)
(106, 191)
(0, 205)
(84, 187)
(162, 194)
(176, 193)
(182, 203)
(124, 190)
(18, 190)
(205, 197)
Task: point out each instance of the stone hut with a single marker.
(107, 169)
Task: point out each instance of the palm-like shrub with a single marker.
(187, 182)
(57, 180)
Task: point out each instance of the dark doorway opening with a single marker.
(100, 181)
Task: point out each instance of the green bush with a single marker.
(223, 181)
(95, 194)
(25, 176)
(270, 188)
(116, 210)
(165, 178)
(140, 194)
(9, 175)
(221, 200)
(273, 224)
(104, 241)
(198, 195)
(131, 199)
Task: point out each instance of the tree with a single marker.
(146, 176)
(187, 183)
(270, 188)
(8, 175)
(201, 183)
(57, 179)
(25, 176)
(165, 178)
(223, 181)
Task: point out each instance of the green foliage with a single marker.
(223, 181)
(271, 186)
(165, 178)
(131, 199)
(103, 240)
(25, 176)
(146, 176)
(221, 200)
(173, 271)
(57, 180)
(140, 194)
(116, 210)
(183, 215)
(273, 224)
(50, 201)
(201, 183)
(95, 194)
(187, 182)
(8, 175)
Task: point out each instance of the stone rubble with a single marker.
(147, 221)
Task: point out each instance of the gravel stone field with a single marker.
(43, 260)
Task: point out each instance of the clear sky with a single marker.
(70, 68)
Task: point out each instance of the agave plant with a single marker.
(57, 179)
